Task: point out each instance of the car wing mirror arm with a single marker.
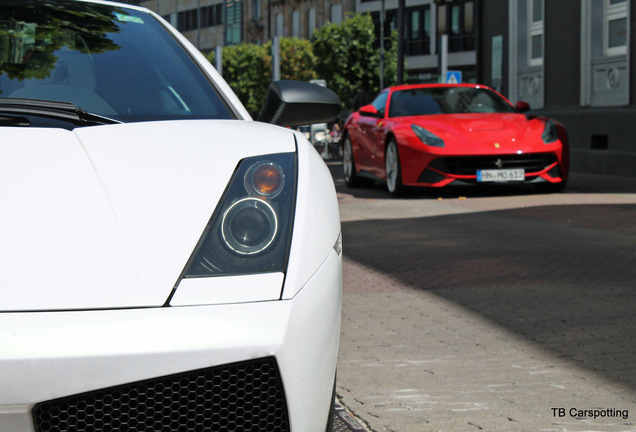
(522, 106)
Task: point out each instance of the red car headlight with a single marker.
(427, 137)
(550, 133)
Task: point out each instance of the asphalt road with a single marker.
(494, 310)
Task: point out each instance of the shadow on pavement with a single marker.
(562, 276)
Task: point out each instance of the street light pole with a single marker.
(382, 45)
(400, 42)
(269, 19)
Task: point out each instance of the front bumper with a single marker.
(462, 170)
(51, 355)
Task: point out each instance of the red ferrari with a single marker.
(434, 135)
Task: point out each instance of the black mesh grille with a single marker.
(468, 165)
(239, 397)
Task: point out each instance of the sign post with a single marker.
(276, 58)
(443, 56)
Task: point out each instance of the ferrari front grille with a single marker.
(468, 165)
(245, 396)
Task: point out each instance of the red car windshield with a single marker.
(112, 61)
(446, 100)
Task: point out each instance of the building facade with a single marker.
(572, 60)
(203, 22)
(215, 23)
(425, 21)
(266, 19)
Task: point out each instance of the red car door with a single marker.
(370, 137)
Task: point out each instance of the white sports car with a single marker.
(166, 262)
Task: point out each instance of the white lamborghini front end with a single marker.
(107, 301)
(166, 263)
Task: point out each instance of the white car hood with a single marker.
(107, 216)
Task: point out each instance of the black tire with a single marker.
(351, 177)
(332, 410)
(393, 169)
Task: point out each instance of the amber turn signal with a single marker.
(265, 179)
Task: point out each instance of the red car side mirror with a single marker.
(368, 111)
(522, 106)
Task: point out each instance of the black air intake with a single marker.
(245, 396)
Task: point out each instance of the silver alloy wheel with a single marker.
(347, 160)
(392, 167)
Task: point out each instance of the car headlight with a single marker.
(249, 226)
(250, 230)
(428, 138)
(550, 133)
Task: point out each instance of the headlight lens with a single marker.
(550, 133)
(250, 231)
(428, 138)
(249, 226)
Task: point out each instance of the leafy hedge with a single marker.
(345, 55)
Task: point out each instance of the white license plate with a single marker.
(501, 175)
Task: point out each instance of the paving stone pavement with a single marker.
(495, 312)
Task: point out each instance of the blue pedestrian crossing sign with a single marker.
(453, 77)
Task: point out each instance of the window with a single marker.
(311, 22)
(469, 17)
(441, 20)
(212, 15)
(380, 102)
(256, 9)
(615, 38)
(418, 26)
(336, 14)
(455, 25)
(426, 101)
(605, 64)
(233, 21)
(415, 24)
(188, 20)
(457, 21)
(526, 70)
(295, 24)
(535, 39)
(123, 56)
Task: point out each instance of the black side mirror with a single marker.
(296, 103)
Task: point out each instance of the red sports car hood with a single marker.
(480, 132)
(108, 216)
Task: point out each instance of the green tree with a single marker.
(297, 59)
(247, 70)
(349, 57)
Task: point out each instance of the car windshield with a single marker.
(446, 100)
(114, 62)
